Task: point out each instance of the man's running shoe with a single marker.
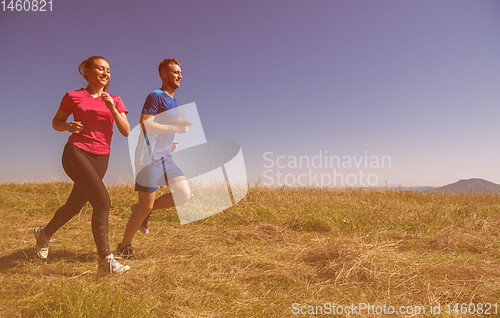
(124, 252)
(110, 266)
(42, 242)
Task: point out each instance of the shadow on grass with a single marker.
(22, 257)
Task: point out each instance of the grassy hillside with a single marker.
(274, 254)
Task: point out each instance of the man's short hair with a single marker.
(165, 63)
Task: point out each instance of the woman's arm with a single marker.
(120, 118)
(59, 123)
(122, 123)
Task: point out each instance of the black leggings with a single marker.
(86, 170)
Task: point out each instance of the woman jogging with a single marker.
(85, 157)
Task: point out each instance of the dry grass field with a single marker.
(278, 253)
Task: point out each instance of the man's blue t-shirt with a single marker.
(164, 108)
(157, 102)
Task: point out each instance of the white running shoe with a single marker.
(42, 243)
(110, 266)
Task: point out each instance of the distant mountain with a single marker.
(468, 185)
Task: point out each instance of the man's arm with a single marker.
(148, 125)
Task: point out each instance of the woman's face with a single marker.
(99, 73)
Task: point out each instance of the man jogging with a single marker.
(154, 165)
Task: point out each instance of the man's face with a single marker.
(172, 75)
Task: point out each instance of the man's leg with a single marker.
(147, 203)
(180, 191)
(144, 207)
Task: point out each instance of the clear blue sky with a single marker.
(418, 81)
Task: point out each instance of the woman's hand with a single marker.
(75, 127)
(120, 118)
(59, 123)
(110, 103)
